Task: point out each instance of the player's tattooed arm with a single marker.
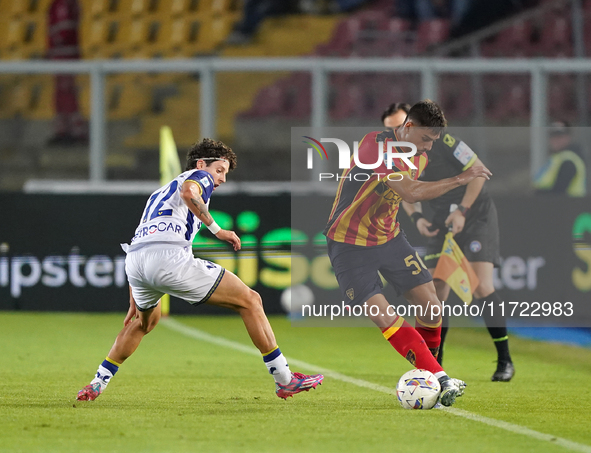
(190, 193)
(202, 211)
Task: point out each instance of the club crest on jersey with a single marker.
(350, 293)
(413, 174)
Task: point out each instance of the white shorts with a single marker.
(153, 271)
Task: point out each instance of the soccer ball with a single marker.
(418, 389)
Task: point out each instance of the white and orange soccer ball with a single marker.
(418, 389)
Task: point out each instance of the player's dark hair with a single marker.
(427, 113)
(209, 148)
(393, 108)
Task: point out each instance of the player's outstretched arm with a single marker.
(412, 191)
(190, 195)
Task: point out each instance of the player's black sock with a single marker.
(496, 325)
(444, 328)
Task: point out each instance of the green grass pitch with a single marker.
(179, 394)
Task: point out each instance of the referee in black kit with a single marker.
(475, 227)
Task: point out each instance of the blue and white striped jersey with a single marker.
(166, 217)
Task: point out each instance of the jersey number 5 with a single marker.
(410, 261)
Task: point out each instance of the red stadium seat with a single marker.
(398, 25)
(430, 33)
(562, 97)
(384, 89)
(512, 100)
(455, 96)
(515, 41)
(587, 32)
(556, 37)
(268, 101)
(385, 7)
(298, 96)
(373, 33)
(399, 38)
(345, 34)
(347, 102)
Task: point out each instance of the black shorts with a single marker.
(356, 268)
(479, 240)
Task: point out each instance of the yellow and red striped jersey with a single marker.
(365, 207)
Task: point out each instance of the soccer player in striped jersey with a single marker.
(475, 227)
(365, 240)
(160, 261)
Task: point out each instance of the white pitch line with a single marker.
(220, 341)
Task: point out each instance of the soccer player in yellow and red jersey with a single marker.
(475, 227)
(364, 239)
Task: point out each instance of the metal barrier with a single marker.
(207, 68)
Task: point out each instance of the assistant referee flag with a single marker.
(454, 269)
(170, 168)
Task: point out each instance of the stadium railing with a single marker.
(319, 68)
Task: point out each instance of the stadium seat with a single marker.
(297, 101)
(30, 96)
(127, 96)
(215, 30)
(556, 36)
(512, 100)
(372, 34)
(95, 8)
(383, 89)
(138, 7)
(268, 101)
(562, 97)
(455, 96)
(384, 7)
(347, 102)
(399, 38)
(343, 37)
(94, 35)
(514, 41)
(430, 33)
(12, 33)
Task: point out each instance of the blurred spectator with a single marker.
(329, 6)
(421, 10)
(253, 14)
(479, 14)
(348, 5)
(62, 43)
(564, 173)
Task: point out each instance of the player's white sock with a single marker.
(105, 372)
(277, 366)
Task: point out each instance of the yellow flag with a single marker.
(170, 168)
(454, 269)
(170, 165)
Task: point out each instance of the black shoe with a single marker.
(504, 373)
